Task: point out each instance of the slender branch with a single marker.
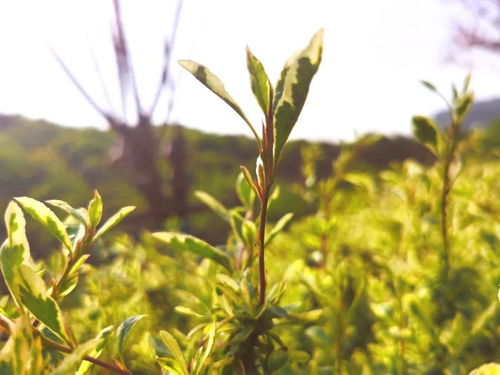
(262, 241)
(78, 85)
(447, 185)
(65, 349)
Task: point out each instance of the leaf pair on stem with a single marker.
(281, 106)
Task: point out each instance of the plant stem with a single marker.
(65, 349)
(5, 323)
(449, 157)
(444, 220)
(262, 241)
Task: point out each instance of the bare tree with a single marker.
(482, 30)
(139, 151)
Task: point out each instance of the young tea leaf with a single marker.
(85, 366)
(124, 331)
(175, 350)
(34, 296)
(278, 227)
(250, 180)
(70, 211)
(95, 209)
(185, 242)
(113, 221)
(16, 229)
(261, 87)
(44, 215)
(71, 363)
(292, 88)
(214, 84)
(213, 204)
(425, 131)
(429, 85)
(245, 192)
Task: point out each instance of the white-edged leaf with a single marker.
(292, 88)
(214, 84)
(34, 296)
(81, 217)
(125, 329)
(44, 215)
(72, 361)
(15, 224)
(85, 366)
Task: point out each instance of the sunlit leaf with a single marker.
(488, 369)
(44, 215)
(292, 88)
(278, 227)
(113, 221)
(72, 361)
(213, 204)
(96, 352)
(70, 211)
(124, 331)
(175, 350)
(34, 296)
(95, 210)
(214, 84)
(261, 87)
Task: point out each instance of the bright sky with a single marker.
(375, 54)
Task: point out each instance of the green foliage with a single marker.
(391, 272)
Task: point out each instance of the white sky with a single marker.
(375, 54)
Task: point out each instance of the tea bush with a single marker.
(396, 272)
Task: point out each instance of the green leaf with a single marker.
(292, 88)
(175, 350)
(488, 369)
(299, 356)
(96, 352)
(11, 257)
(95, 209)
(113, 221)
(429, 85)
(16, 229)
(72, 361)
(213, 204)
(214, 84)
(249, 179)
(278, 359)
(70, 211)
(463, 105)
(208, 348)
(261, 87)
(125, 329)
(34, 296)
(44, 215)
(21, 350)
(182, 242)
(278, 227)
(183, 310)
(245, 192)
(425, 131)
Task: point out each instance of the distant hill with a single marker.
(45, 161)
